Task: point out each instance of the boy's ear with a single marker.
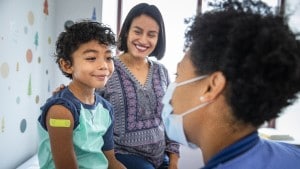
(65, 66)
(217, 82)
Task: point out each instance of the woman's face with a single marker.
(142, 36)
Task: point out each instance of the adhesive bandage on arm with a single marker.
(60, 122)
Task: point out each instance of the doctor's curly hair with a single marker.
(257, 53)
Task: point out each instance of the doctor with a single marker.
(242, 68)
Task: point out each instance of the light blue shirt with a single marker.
(92, 131)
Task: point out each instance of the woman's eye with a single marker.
(137, 32)
(152, 35)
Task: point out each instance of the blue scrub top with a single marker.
(252, 152)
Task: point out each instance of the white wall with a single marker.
(24, 48)
(289, 121)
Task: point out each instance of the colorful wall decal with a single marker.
(94, 17)
(49, 40)
(39, 59)
(30, 18)
(4, 70)
(29, 92)
(37, 99)
(46, 11)
(36, 40)
(29, 55)
(23, 125)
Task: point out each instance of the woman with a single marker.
(242, 69)
(135, 90)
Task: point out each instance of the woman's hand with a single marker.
(62, 86)
(173, 164)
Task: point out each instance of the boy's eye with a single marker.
(109, 58)
(90, 58)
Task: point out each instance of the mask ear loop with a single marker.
(201, 98)
(193, 109)
(191, 80)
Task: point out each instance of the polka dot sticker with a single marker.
(4, 70)
(46, 12)
(23, 125)
(29, 55)
(30, 17)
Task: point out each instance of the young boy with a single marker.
(75, 126)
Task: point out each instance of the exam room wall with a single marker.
(28, 73)
(289, 121)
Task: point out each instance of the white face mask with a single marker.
(174, 122)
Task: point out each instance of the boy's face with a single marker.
(92, 65)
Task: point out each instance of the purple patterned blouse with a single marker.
(138, 127)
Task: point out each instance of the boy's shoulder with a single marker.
(105, 103)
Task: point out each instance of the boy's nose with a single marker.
(102, 66)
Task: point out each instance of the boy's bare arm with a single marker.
(60, 124)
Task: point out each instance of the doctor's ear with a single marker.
(216, 82)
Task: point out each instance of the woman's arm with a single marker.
(173, 163)
(113, 163)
